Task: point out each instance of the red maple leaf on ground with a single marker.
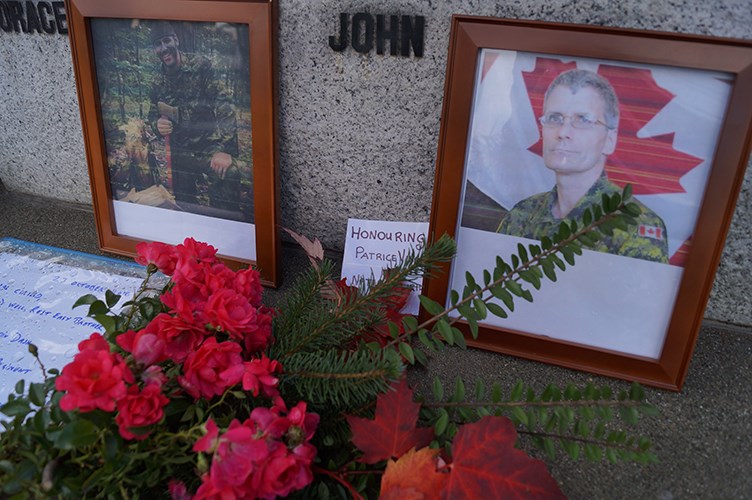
(650, 164)
(413, 477)
(393, 431)
(485, 464)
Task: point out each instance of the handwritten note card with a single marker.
(372, 246)
(38, 287)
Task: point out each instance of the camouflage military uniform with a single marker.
(532, 218)
(205, 125)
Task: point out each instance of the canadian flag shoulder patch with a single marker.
(653, 232)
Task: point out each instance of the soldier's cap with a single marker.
(161, 29)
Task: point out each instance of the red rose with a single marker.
(258, 338)
(161, 255)
(184, 299)
(140, 409)
(193, 257)
(217, 277)
(94, 379)
(231, 312)
(212, 368)
(248, 284)
(179, 337)
(95, 342)
(197, 251)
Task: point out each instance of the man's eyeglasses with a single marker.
(579, 121)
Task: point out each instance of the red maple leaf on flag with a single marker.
(393, 431)
(485, 464)
(650, 164)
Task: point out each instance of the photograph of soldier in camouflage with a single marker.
(548, 135)
(579, 127)
(175, 100)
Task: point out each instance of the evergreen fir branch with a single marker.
(340, 380)
(332, 325)
(299, 303)
(317, 330)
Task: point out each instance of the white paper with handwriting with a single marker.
(373, 245)
(37, 292)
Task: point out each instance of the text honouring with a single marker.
(402, 33)
(373, 246)
(28, 17)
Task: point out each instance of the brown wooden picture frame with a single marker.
(470, 39)
(260, 19)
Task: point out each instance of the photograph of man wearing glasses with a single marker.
(579, 128)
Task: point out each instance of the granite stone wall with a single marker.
(358, 132)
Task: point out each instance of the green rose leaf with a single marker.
(76, 434)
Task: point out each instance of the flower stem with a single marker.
(337, 477)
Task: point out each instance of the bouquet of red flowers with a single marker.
(197, 390)
(208, 340)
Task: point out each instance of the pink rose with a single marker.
(212, 368)
(250, 461)
(286, 472)
(154, 376)
(96, 378)
(161, 255)
(258, 376)
(209, 490)
(268, 422)
(236, 455)
(140, 409)
(231, 312)
(305, 422)
(209, 442)
(177, 490)
(147, 348)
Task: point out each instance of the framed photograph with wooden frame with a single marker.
(178, 107)
(541, 119)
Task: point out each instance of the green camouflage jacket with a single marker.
(206, 120)
(532, 218)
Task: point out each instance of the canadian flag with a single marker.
(668, 131)
(650, 232)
